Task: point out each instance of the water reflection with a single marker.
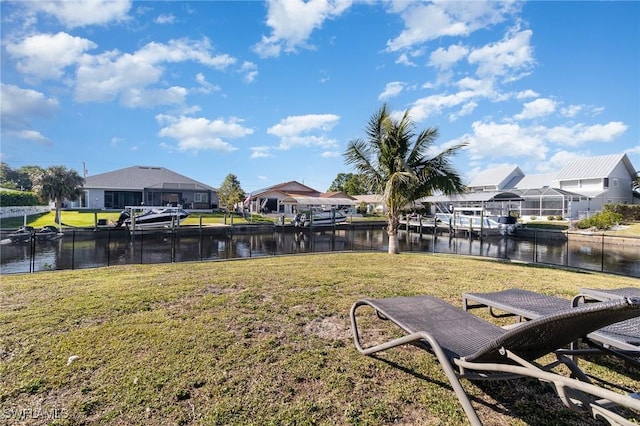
(83, 249)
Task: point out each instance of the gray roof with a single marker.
(594, 167)
(472, 196)
(140, 177)
(536, 181)
(497, 176)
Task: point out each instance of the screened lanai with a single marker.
(546, 202)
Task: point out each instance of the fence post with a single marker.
(73, 248)
(602, 255)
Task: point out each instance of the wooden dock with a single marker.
(432, 225)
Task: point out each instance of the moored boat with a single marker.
(319, 218)
(152, 217)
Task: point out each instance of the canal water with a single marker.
(87, 249)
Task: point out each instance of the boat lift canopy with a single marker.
(318, 201)
(471, 197)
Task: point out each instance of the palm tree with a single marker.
(58, 183)
(398, 167)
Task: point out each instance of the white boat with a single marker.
(151, 217)
(507, 225)
(319, 218)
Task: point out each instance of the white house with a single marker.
(581, 188)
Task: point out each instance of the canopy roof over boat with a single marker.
(482, 196)
(318, 201)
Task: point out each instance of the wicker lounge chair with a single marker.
(469, 347)
(621, 339)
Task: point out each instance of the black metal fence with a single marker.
(79, 249)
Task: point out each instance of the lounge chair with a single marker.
(470, 347)
(621, 339)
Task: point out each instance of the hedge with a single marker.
(19, 199)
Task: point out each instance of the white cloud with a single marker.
(512, 54)
(45, 56)
(165, 19)
(205, 86)
(260, 152)
(425, 22)
(303, 130)
(19, 106)
(250, 71)
(331, 154)
(633, 149)
(580, 133)
(293, 21)
(432, 105)
(28, 135)
(196, 134)
(136, 98)
(539, 108)
(294, 125)
(392, 89)
(525, 94)
(571, 110)
(403, 59)
(491, 140)
(446, 58)
(80, 13)
(112, 74)
(466, 109)
(560, 159)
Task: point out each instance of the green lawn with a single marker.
(87, 219)
(259, 341)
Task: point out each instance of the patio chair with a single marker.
(467, 346)
(621, 339)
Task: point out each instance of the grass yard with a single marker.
(85, 219)
(260, 341)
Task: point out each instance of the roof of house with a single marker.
(140, 177)
(291, 187)
(542, 180)
(594, 167)
(502, 177)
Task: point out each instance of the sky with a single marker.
(274, 91)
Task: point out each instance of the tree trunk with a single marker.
(394, 245)
(392, 231)
(58, 205)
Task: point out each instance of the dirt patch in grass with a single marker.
(330, 328)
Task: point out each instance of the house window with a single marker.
(200, 197)
(606, 182)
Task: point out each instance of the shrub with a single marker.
(559, 217)
(604, 220)
(550, 218)
(629, 212)
(19, 199)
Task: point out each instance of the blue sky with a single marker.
(274, 91)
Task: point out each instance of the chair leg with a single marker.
(451, 374)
